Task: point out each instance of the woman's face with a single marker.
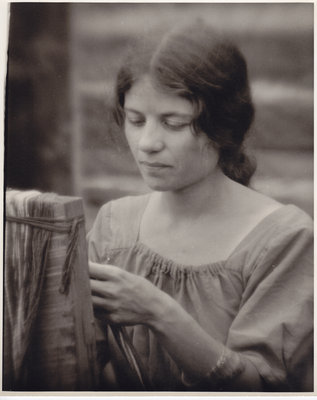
(158, 129)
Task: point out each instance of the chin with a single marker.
(165, 187)
(160, 184)
(159, 187)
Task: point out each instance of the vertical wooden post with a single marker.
(75, 99)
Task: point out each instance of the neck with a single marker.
(205, 197)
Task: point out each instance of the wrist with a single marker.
(162, 311)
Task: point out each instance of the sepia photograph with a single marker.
(158, 198)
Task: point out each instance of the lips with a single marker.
(154, 164)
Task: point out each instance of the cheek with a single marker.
(132, 140)
(208, 158)
(210, 154)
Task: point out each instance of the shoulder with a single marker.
(287, 222)
(285, 238)
(258, 208)
(287, 226)
(128, 204)
(293, 236)
(282, 235)
(280, 252)
(116, 225)
(125, 208)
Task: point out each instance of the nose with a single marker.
(151, 139)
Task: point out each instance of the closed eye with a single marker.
(136, 121)
(175, 125)
(134, 118)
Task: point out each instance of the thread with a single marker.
(70, 226)
(49, 334)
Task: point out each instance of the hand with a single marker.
(121, 297)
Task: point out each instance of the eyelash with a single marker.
(136, 122)
(173, 127)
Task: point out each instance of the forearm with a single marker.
(128, 299)
(194, 351)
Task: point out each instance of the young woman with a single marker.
(211, 280)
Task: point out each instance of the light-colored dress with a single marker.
(258, 302)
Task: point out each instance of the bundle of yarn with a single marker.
(49, 332)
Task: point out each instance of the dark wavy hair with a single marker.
(203, 67)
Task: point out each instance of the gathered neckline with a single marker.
(168, 265)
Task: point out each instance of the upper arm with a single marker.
(273, 329)
(100, 235)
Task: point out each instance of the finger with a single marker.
(102, 305)
(103, 271)
(101, 288)
(106, 317)
(97, 271)
(102, 316)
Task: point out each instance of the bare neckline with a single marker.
(141, 245)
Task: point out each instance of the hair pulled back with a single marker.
(195, 63)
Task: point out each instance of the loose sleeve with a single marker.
(99, 242)
(100, 236)
(274, 326)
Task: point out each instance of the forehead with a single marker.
(145, 96)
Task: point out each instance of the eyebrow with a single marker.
(166, 115)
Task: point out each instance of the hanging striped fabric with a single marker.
(49, 332)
